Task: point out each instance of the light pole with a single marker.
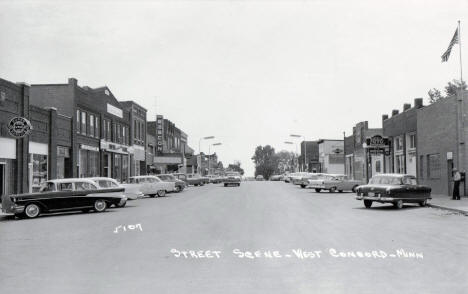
(199, 150)
(291, 143)
(209, 155)
(305, 149)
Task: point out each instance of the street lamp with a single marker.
(199, 150)
(209, 155)
(305, 149)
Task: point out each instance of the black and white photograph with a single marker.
(233, 146)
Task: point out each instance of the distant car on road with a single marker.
(179, 184)
(63, 195)
(259, 178)
(393, 188)
(276, 178)
(152, 185)
(232, 179)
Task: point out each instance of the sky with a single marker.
(247, 72)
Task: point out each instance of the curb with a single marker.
(464, 212)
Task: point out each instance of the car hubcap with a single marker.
(32, 210)
(100, 205)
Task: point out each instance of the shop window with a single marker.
(124, 168)
(399, 143)
(39, 176)
(412, 141)
(433, 166)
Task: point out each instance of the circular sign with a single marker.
(377, 141)
(19, 127)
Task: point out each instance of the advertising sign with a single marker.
(19, 127)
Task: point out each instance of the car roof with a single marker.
(394, 175)
(71, 180)
(100, 178)
(147, 176)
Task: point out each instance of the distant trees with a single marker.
(236, 166)
(450, 90)
(266, 161)
(287, 162)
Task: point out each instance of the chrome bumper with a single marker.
(374, 198)
(13, 208)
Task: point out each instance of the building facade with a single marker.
(331, 156)
(312, 158)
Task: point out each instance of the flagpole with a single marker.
(459, 46)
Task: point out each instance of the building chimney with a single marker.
(395, 112)
(406, 106)
(418, 103)
(384, 117)
(73, 81)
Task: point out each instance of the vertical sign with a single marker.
(159, 135)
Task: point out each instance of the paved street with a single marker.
(81, 253)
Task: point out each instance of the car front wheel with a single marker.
(303, 186)
(332, 190)
(100, 205)
(354, 189)
(32, 210)
(161, 193)
(423, 203)
(398, 204)
(177, 189)
(367, 203)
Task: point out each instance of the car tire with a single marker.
(303, 186)
(354, 189)
(225, 185)
(318, 190)
(177, 189)
(398, 204)
(368, 203)
(32, 210)
(161, 193)
(152, 195)
(423, 203)
(332, 190)
(100, 205)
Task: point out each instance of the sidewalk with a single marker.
(446, 202)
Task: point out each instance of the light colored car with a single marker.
(152, 185)
(296, 178)
(232, 179)
(333, 183)
(309, 176)
(131, 190)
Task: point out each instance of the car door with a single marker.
(64, 198)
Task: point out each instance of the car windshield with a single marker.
(385, 180)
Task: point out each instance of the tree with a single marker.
(286, 162)
(236, 166)
(266, 161)
(450, 90)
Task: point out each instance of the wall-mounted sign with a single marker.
(114, 110)
(19, 127)
(377, 141)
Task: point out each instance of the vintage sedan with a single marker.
(333, 183)
(310, 176)
(179, 184)
(152, 185)
(191, 179)
(232, 179)
(63, 195)
(393, 188)
(131, 191)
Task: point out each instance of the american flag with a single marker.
(454, 41)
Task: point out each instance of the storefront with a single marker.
(116, 160)
(38, 165)
(138, 160)
(88, 159)
(376, 148)
(7, 163)
(63, 162)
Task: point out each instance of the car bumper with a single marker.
(13, 208)
(377, 198)
(316, 186)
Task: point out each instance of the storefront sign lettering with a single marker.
(19, 127)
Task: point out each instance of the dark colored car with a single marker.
(191, 179)
(179, 184)
(393, 188)
(63, 195)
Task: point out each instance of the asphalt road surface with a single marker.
(261, 237)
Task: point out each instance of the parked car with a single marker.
(152, 185)
(232, 179)
(310, 176)
(63, 195)
(190, 179)
(333, 183)
(275, 178)
(215, 179)
(393, 188)
(132, 192)
(179, 184)
(259, 178)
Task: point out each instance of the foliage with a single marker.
(450, 90)
(236, 166)
(287, 162)
(266, 161)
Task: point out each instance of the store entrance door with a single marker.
(107, 165)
